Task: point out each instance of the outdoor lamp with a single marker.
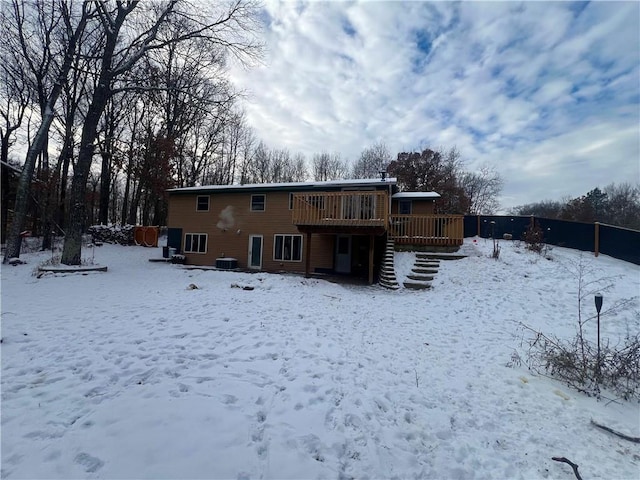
(598, 298)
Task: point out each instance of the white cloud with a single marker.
(539, 89)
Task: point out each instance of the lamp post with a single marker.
(598, 300)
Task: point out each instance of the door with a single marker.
(255, 252)
(360, 205)
(343, 254)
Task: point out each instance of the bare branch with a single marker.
(569, 462)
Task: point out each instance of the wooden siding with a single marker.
(230, 221)
(427, 229)
(418, 207)
(341, 209)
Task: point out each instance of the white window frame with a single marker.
(264, 203)
(200, 235)
(208, 197)
(282, 259)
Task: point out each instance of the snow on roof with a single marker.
(414, 195)
(262, 186)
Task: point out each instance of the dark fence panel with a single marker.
(617, 242)
(620, 243)
(470, 225)
(576, 235)
(514, 225)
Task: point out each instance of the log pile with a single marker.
(122, 235)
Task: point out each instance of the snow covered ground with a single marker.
(132, 374)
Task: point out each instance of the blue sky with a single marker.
(547, 93)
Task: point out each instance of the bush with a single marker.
(576, 363)
(534, 238)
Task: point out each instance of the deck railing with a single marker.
(427, 229)
(353, 209)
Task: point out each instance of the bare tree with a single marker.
(131, 31)
(544, 209)
(298, 169)
(108, 146)
(74, 25)
(14, 99)
(247, 147)
(372, 161)
(483, 189)
(623, 205)
(329, 166)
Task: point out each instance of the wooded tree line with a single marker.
(119, 100)
(134, 96)
(615, 204)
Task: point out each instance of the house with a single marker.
(339, 227)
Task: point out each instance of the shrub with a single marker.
(534, 237)
(577, 364)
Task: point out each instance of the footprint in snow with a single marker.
(91, 464)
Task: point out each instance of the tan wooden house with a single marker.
(336, 227)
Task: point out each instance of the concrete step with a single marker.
(421, 278)
(423, 264)
(424, 270)
(440, 256)
(417, 285)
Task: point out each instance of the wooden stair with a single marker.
(387, 277)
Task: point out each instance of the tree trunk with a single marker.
(45, 199)
(14, 240)
(125, 199)
(5, 200)
(105, 187)
(72, 250)
(135, 203)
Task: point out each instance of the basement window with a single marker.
(195, 243)
(287, 248)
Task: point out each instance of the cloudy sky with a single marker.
(548, 93)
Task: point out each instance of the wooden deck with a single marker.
(341, 209)
(367, 213)
(436, 230)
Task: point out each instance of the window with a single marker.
(287, 248)
(195, 243)
(291, 201)
(257, 203)
(315, 201)
(404, 207)
(202, 204)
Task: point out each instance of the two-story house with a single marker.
(310, 227)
